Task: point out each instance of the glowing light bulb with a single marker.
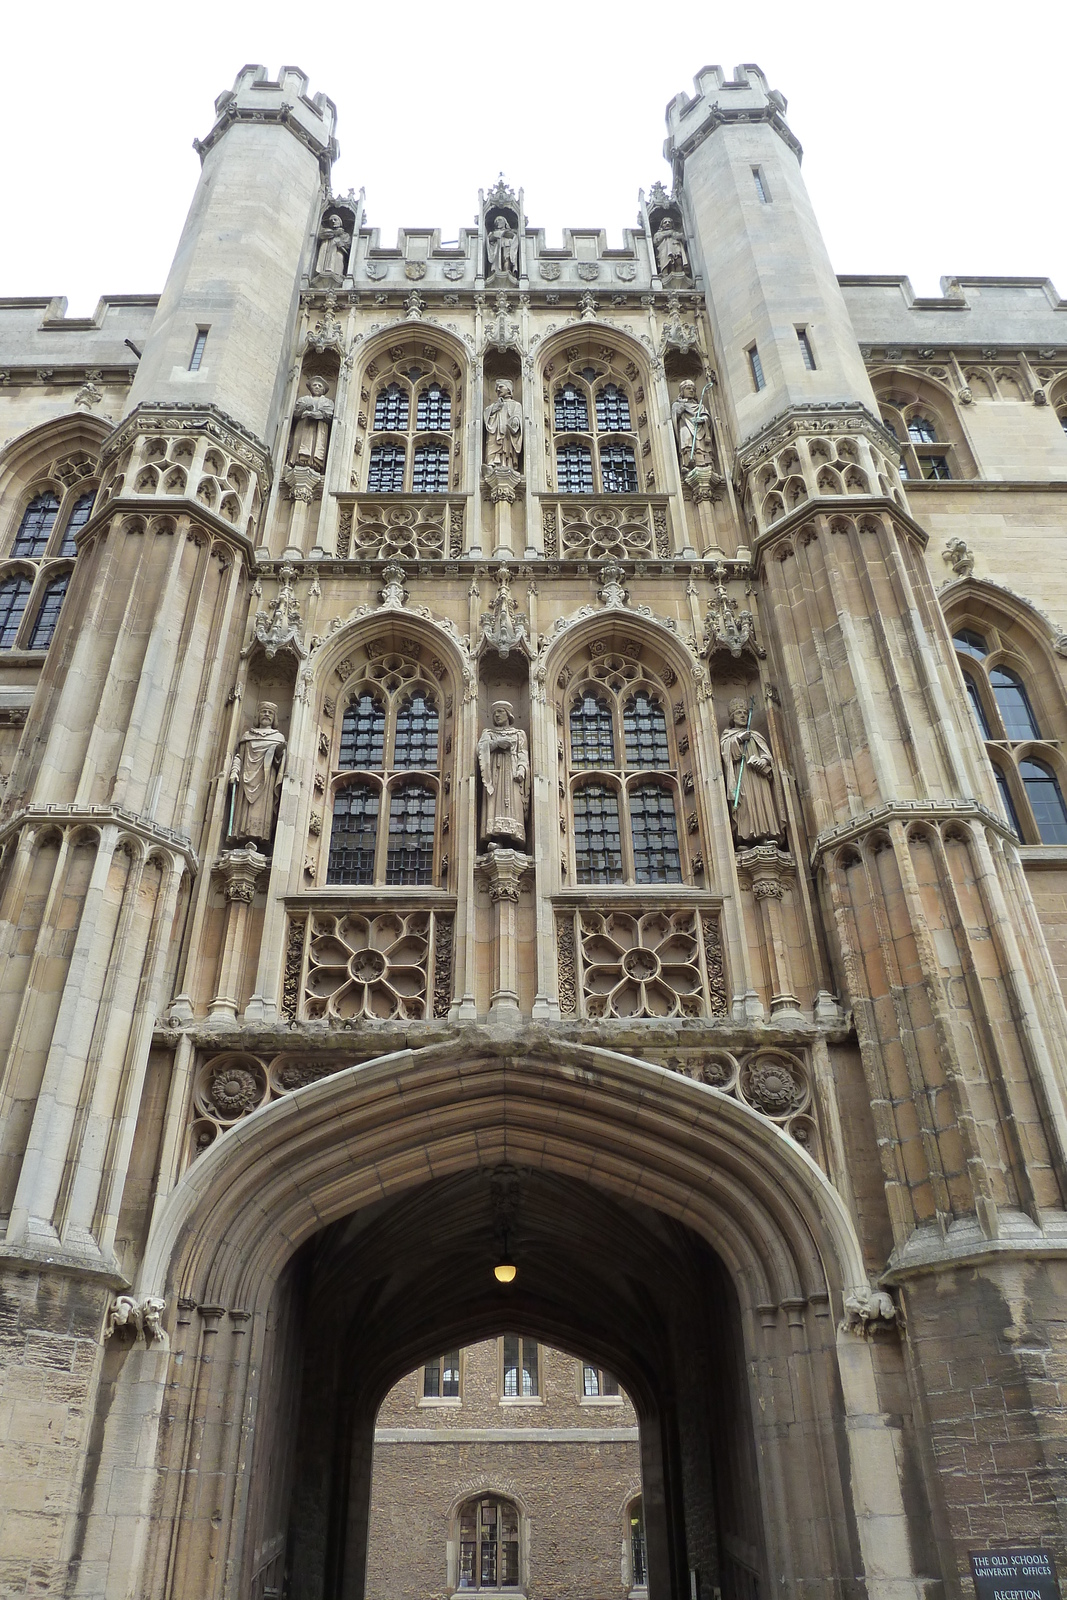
(504, 1272)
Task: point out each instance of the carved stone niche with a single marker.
(503, 680)
(670, 246)
(503, 238)
(333, 245)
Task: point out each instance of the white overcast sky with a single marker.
(934, 134)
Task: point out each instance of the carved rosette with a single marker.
(367, 967)
(772, 1082)
(631, 964)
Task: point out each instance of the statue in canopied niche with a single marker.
(503, 427)
(504, 763)
(334, 241)
(692, 428)
(312, 417)
(256, 776)
(669, 243)
(502, 248)
(748, 768)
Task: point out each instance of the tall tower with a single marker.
(957, 1010)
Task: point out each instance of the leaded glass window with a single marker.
(618, 469)
(597, 842)
(935, 469)
(38, 520)
(14, 592)
(1013, 703)
(572, 411)
(612, 410)
(412, 812)
(1046, 801)
(655, 835)
(440, 1377)
(415, 744)
(488, 1545)
(433, 413)
(592, 734)
(48, 615)
(83, 510)
(520, 1367)
(598, 1382)
(645, 730)
(362, 733)
(574, 469)
(921, 431)
(1006, 800)
(391, 409)
(354, 834)
(971, 643)
(386, 473)
(977, 707)
(430, 471)
(638, 1557)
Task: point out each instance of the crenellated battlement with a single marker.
(718, 99)
(285, 100)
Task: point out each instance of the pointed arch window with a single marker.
(1004, 790)
(1013, 703)
(974, 696)
(574, 469)
(645, 729)
(35, 529)
(416, 732)
(612, 409)
(391, 409)
(592, 732)
(625, 818)
(386, 780)
(14, 593)
(571, 410)
(921, 430)
(488, 1544)
(971, 643)
(362, 732)
(79, 516)
(1046, 800)
(48, 613)
(434, 409)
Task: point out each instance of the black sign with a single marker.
(1014, 1575)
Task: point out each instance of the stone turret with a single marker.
(767, 275)
(243, 251)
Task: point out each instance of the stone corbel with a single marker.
(867, 1311)
(136, 1319)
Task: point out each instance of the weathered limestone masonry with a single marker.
(538, 750)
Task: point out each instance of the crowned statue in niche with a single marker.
(502, 248)
(692, 428)
(333, 245)
(503, 427)
(504, 763)
(312, 418)
(669, 242)
(748, 768)
(255, 778)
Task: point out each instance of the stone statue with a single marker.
(503, 428)
(502, 247)
(255, 777)
(334, 240)
(504, 763)
(748, 767)
(669, 242)
(312, 417)
(692, 428)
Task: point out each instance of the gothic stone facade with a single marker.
(532, 750)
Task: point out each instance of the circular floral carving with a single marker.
(234, 1090)
(773, 1084)
(715, 1069)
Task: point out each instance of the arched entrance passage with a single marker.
(339, 1235)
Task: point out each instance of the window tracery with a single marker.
(624, 811)
(923, 421)
(597, 445)
(1021, 717)
(415, 423)
(33, 587)
(386, 779)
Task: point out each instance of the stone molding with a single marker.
(310, 120)
(677, 153)
(908, 811)
(189, 416)
(130, 821)
(816, 416)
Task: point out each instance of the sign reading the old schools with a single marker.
(1014, 1575)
